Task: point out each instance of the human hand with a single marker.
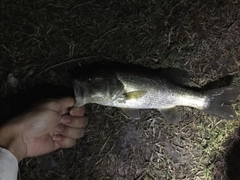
(47, 127)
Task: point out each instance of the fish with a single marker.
(132, 88)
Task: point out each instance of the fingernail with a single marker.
(57, 138)
(66, 119)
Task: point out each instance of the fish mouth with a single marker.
(79, 93)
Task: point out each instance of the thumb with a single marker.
(65, 102)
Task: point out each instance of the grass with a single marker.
(41, 40)
(213, 146)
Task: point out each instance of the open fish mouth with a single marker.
(79, 93)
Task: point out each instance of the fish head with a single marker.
(98, 87)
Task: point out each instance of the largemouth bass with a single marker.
(134, 88)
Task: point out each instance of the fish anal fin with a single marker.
(132, 113)
(135, 95)
(171, 114)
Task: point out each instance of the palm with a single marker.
(40, 132)
(42, 146)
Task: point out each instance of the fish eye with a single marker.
(89, 80)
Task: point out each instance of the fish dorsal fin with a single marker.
(135, 95)
(171, 114)
(132, 113)
(176, 76)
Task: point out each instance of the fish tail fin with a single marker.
(220, 100)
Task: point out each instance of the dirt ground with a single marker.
(40, 41)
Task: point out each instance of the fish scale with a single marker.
(161, 94)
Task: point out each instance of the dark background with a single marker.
(40, 40)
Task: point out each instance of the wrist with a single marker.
(12, 141)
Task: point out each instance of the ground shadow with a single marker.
(226, 166)
(15, 104)
(232, 158)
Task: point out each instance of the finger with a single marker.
(64, 142)
(65, 111)
(77, 111)
(60, 105)
(65, 102)
(70, 132)
(73, 121)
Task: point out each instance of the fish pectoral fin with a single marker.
(135, 95)
(132, 113)
(171, 114)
